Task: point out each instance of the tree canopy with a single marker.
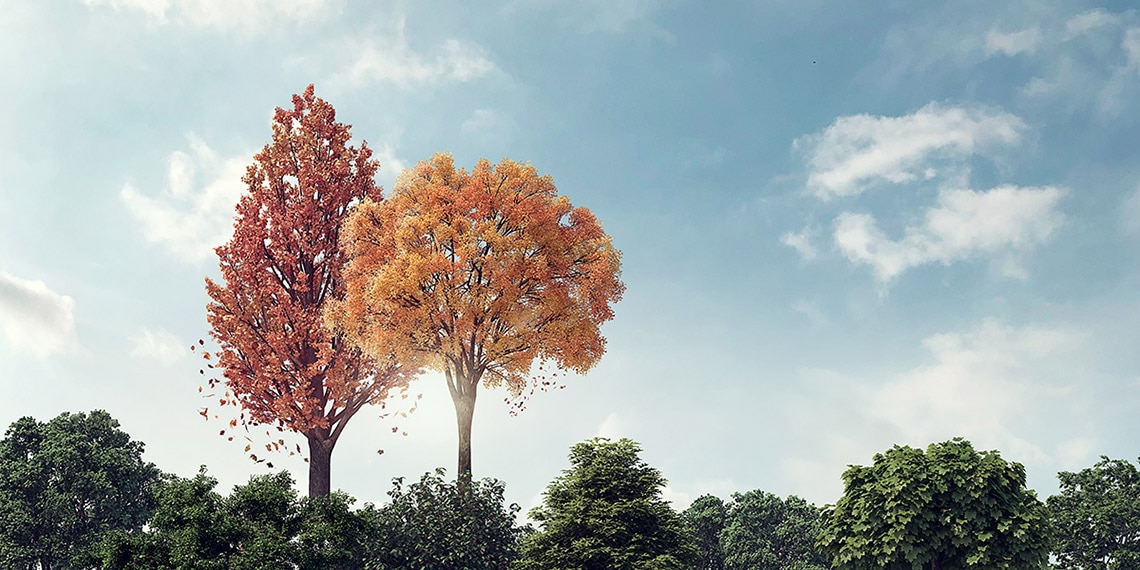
(705, 518)
(65, 483)
(282, 265)
(480, 272)
(261, 524)
(948, 508)
(606, 511)
(764, 531)
(1096, 517)
(434, 523)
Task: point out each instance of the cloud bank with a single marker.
(190, 219)
(34, 318)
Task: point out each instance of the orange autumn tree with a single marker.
(281, 267)
(481, 273)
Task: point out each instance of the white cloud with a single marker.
(860, 150)
(1131, 46)
(390, 166)
(1013, 43)
(801, 242)
(393, 61)
(159, 345)
(611, 427)
(964, 224)
(1020, 389)
(812, 311)
(1087, 21)
(189, 220)
(155, 9)
(34, 318)
(223, 14)
(481, 119)
(492, 128)
(979, 386)
(1075, 452)
(678, 499)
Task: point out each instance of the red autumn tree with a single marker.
(281, 267)
(481, 273)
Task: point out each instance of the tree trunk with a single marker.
(464, 400)
(320, 463)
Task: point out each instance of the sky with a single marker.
(844, 226)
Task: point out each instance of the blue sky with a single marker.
(843, 225)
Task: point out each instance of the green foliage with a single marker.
(262, 524)
(65, 483)
(705, 518)
(764, 531)
(1097, 517)
(950, 508)
(439, 524)
(606, 511)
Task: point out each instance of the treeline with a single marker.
(76, 494)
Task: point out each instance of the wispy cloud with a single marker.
(801, 241)
(34, 318)
(1013, 43)
(159, 345)
(490, 127)
(390, 165)
(391, 60)
(1001, 386)
(859, 151)
(978, 386)
(189, 218)
(1087, 21)
(812, 311)
(248, 15)
(964, 224)
(611, 427)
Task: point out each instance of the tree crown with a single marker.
(484, 270)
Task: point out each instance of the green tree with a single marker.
(1097, 517)
(262, 524)
(606, 512)
(949, 508)
(705, 519)
(764, 531)
(65, 483)
(333, 536)
(440, 524)
(189, 530)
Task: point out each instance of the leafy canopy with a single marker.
(65, 483)
(948, 508)
(262, 524)
(484, 270)
(606, 511)
(434, 523)
(705, 518)
(280, 268)
(479, 274)
(765, 531)
(1096, 517)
